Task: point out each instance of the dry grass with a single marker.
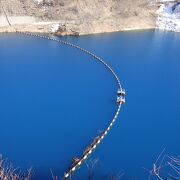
(8, 172)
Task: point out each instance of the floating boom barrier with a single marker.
(120, 100)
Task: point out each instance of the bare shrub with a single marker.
(117, 176)
(91, 164)
(8, 172)
(165, 167)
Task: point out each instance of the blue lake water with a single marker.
(54, 100)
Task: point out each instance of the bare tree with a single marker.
(54, 177)
(170, 163)
(91, 165)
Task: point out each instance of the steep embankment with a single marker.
(77, 16)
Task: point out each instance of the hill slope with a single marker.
(77, 16)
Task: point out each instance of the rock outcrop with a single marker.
(77, 16)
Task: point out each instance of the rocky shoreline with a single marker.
(86, 18)
(77, 28)
(82, 17)
(125, 16)
(45, 30)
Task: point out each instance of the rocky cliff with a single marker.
(76, 16)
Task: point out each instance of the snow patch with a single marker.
(169, 17)
(38, 1)
(55, 28)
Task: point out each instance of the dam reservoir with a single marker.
(56, 99)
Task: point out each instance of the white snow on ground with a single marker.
(55, 28)
(38, 1)
(169, 17)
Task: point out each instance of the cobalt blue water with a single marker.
(55, 100)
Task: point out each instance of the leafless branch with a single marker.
(165, 161)
(116, 176)
(8, 172)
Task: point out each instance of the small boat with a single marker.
(87, 149)
(121, 92)
(121, 100)
(96, 139)
(75, 160)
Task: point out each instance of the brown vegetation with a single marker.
(8, 172)
(80, 16)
